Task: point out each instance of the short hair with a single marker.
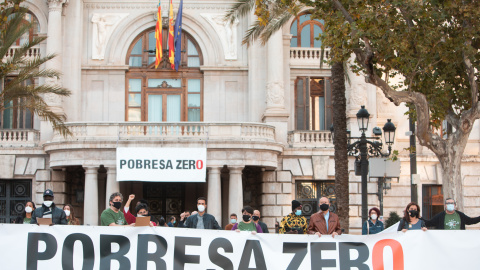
(233, 214)
(161, 221)
(202, 198)
(171, 218)
(450, 199)
(141, 206)
(374, 209)
(247, 208)
(188, 211)
(143, 201)
(115, 194)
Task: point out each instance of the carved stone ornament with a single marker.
(103, 26)
(227, 33)
(275, 95)
(56, 5)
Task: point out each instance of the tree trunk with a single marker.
(340, 143)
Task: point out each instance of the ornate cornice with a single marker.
(55, 5)
(153, 5)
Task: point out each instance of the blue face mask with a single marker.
(450, 207)
(174, 221)
(233, 221)
(298, 212)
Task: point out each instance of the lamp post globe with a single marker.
(389, 130)
(363, 117)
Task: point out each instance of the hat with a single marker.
(48, 192)
(295, 204)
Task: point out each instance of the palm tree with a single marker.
(23, 70)
(278, 14)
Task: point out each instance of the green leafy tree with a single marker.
(23, 69)
(392, 219)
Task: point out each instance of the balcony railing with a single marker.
(30, 55)
(19, 138)
(310, 139)
(307, 57)
(180, 131)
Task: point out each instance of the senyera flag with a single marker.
(171, 49)
(158, 36)
(178, 36)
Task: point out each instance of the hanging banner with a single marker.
(86, 247)
(161, 164)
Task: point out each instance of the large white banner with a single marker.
(161, 164)
(85, 247)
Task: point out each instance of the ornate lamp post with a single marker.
(364, 147)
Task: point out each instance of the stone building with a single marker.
(262, 112)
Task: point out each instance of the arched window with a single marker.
(28, 36)
(163, 94)
(306, 31)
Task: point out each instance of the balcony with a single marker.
(30, 55)
(307, 57)
(19, 138)
(310, 139)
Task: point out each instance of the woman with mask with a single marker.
(247, 223)
(411, 219)
(372, 225)
(70, 213)
(27, 214)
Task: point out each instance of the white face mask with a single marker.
(67, 212)
(28, 209)
(47, 203)
(373, 217)
(201, 208)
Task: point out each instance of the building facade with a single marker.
(263, 113)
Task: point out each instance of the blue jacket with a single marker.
(374, 228)
(209, 222)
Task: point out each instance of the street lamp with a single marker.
(364, 147)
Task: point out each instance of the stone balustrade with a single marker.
(19, 138)
(30, 54)
(307, 57)
(310, 139)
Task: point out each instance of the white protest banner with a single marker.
(157, 164)
(86, 247)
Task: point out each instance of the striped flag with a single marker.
(178, 36)
(171, 49)
(158, 36)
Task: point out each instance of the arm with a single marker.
(128, 216)
(259, 229)
(215, 224)
(265, 228)
(63, 217)
(129, 201)
(338, 230)
(432, 222)
(311, 227)
(283, 226)
(468, 220)
(34, 218)
(235, 226)
(401, 225)
(364, 228)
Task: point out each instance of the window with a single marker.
(14, 116)
(163, 94)
(432, 197)
(13, 196)
(313, 103)
(309, 193)
(305, 31)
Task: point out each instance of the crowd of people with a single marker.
(321, 223)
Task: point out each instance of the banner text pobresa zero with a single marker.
(161, 164)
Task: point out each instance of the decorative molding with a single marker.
(103, 26)
(275, 95)
(227, 32)
(153, 6)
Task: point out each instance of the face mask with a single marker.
(117, 205)
(413, 213)
(174, 221)
(298, 212)
(139, 215)
(255, 218)
(67, 212)
(47, 203)
(28, 209)
(201, 208)
(233, 221)
(324, 207)
(373, 217)
(450, 207)
(246, 218)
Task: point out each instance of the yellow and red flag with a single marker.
(158, 36)
(171, 46)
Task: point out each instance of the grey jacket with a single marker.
(58, 215)
(209, 222)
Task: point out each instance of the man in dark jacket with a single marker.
(256, 218)
(49, 210)
(202, 220)
(451, 219)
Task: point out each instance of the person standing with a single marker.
(324, 221)
(183, 218)
(172, 221)
(49, 210)
(112, 216)
(27, 214)
(247, 223)
(233, 220)
(202, 220)
(256, 218)
(451, 219)
(129, 217)
(70, 213)
(372, 225)
(411, 219)
(294, 223)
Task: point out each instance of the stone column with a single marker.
(90, 205)
(235, 191)
(112, 184)
(215, 194)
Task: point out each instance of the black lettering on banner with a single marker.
(122, 163)
(162, 164)
(154, 164)
(346, 263)
(179, 256)
(106, 255)
(316, 255)
(146, 164)
(33, 256)
(299, 249)
(179, 162)
(191, 164)
(143, 257)
(252, 245)
(139, 164)
(185, 164)
(88, 251)
(169, 164)
(216, 258)
(131, 164)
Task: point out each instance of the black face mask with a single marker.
(246, 218)
(255, 218)
(413, 213)
(324, 207)
(117, 205)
